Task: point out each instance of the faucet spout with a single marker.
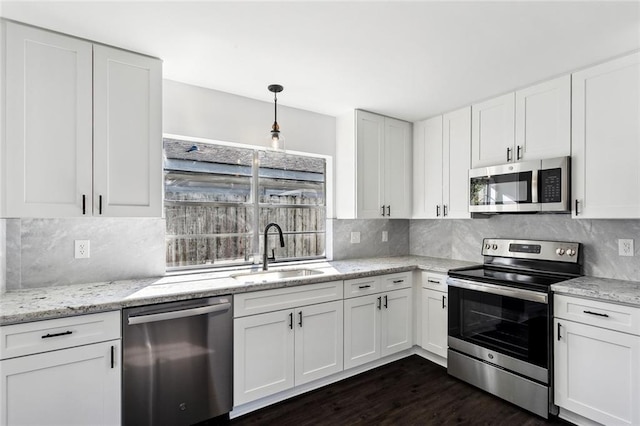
(265, 258)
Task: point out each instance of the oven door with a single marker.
(505, 326)
(507, 188)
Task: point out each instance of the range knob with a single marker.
(560, 251)
(495, 247)
(571, 252)
(487, 246)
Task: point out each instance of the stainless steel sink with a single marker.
(263, 277)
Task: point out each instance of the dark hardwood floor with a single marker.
(411, 391)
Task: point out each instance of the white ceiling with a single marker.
(409, 60)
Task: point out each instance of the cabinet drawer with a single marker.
(600, 314)
(42, 336)
(434, 281)
(258, 302)
(395, 281)
(361, 286)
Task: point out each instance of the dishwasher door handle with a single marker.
(142, 319)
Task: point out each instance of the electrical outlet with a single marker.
(355, 237)
(625, 247)
(81, 249)
(385, 236)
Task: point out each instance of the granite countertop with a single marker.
(54, 302)
(604, 289)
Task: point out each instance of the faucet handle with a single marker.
(273, 255)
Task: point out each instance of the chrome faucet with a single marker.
(266, 259)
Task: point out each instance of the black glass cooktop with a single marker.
(537, 281)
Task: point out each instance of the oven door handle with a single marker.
(516, 293)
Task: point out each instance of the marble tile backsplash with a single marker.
(462, 239)
(371, 244)
(40, 252)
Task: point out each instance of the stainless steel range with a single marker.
(501, 317)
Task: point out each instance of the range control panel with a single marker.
(531, 249)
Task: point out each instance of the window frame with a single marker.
(257, 206)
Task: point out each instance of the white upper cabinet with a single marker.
(127, 145)
(493, 128)
(532, 123)
(606, 140)
(48, 129)
(83, 128)
(380, 184)
(456, 157)
(427, 167)
(441, 158)
(543, 120)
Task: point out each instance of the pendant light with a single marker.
(276, 138)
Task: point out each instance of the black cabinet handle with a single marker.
(558, 332)
(596, 313)
(519, 152)
(113, 356)
(398, 281)
(65, 333)
(382, 210)
(438, 210)
(84, 204)
(379, 303)
(577, 206)
(364, 286)
(443, 305)
(444, 210)
(386, 305)
(100, 204)
(433, 281)
(300, 318)
(508, 154)
(389, 210)
(291, 320)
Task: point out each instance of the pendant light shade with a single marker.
(275, 136)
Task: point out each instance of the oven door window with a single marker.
(504, 189)
(511, 326)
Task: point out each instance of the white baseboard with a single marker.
(576, 419)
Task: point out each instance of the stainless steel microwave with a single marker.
(529, 186)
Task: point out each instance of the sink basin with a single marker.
(267, 276)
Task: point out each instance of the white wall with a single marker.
(210, 114)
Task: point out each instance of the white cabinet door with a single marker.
(605, 145)
(397, 321)
(263, 355)
(456, 160)
(397, 168)
(493, 131)
(362, 330)
(428, 169)
(318, 341)
(370, 164)
(47, 142)
(543, 120)
(434, 322)
(76, 386)
(127, 134)
(597, 373)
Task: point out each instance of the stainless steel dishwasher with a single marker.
(177, 367)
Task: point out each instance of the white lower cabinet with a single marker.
(434, 304)
(597, 368)
(377, 325)
(72, 385)
(276, 351)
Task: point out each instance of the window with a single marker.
(219, 199)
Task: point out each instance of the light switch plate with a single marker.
(625, 247)
(385, 236)
(355, 237)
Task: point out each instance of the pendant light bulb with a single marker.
(276, 138)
